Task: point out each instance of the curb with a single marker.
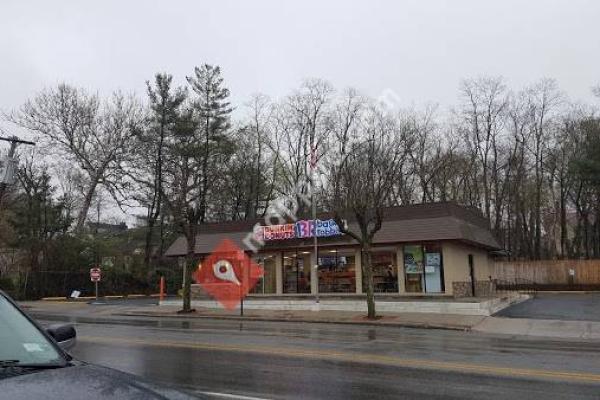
(463, 328)
(568, 291)
(128, 296)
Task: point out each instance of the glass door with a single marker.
(433, 278)
(433, 268)
(296, 272)
(423, 268)
(413, 269)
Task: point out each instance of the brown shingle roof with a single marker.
(403, 224)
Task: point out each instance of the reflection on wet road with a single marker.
(297, 361)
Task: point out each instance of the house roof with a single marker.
(402, 224)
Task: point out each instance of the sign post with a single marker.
(161, 285)
(96, 276)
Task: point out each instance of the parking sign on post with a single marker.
(95, 276)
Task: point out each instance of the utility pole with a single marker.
(313, 163)
(8, 164)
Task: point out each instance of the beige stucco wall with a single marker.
(483, 265)
(358, 270)
(400, 266)
(278, 273)
(456, 264)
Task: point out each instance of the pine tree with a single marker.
(587, 166)
(213, 112)
(165, 105)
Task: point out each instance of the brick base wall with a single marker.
(482, 289)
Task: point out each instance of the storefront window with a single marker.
(434, 270)
(423, 268)
(385, 272)
(296, 272)
(267, 283)
(337, 272)
(413, 268)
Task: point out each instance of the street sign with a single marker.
(95, 274)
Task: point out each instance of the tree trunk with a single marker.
(161, 246)
(148, 245)
(368, 274)
(87, 201)
(187, 271)
(538, 205)
(155, 209)
(586, 234)
(563, 224)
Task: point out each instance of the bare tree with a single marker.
(251, 168)
(362, 181)
(426, 155)
(544, 98)
(484, 101)
(94, 135)
(301, 133)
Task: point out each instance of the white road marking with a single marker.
(232, 396)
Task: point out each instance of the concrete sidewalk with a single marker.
(415, 320)
(549, 328)
(559, 329)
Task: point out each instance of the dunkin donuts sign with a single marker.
(278, 232)
(301, 230)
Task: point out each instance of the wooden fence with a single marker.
(550, 272)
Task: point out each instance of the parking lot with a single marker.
(562, 306)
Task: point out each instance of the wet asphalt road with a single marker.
(321, 361)
(563, 306)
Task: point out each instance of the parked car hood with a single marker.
(84, 381)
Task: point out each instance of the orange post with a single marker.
(162, 288)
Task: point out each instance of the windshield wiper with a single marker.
(9, 363)
(18, 364)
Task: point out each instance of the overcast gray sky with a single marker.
(420, 49)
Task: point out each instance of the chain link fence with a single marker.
(32, 285)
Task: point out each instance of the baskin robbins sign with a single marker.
(301, 230)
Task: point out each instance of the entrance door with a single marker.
(296, 272)
(424, 268)
(433, 272)
(413, 269)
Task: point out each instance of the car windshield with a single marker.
(21, 342)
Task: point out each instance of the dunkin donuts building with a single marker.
(437, 249)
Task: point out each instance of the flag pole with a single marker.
(313, 161)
